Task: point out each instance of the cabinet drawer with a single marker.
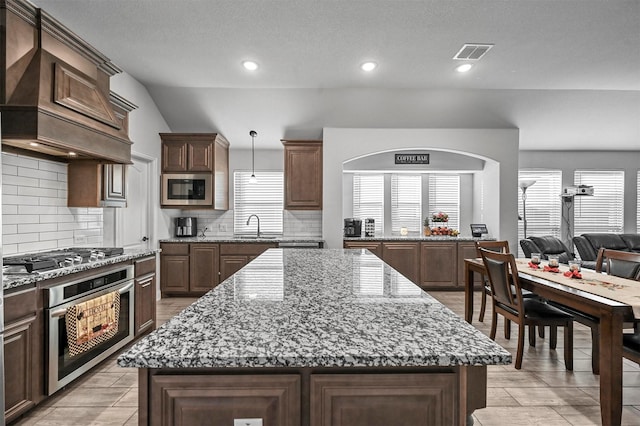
(247, 249)
(19, 305)
(145, 266)
(175, 248)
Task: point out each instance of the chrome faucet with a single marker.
(257, 217)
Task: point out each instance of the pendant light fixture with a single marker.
(253, 178)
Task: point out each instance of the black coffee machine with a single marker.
(186, 227)
(352, 227)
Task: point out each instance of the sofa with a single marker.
(547, 245)
(589, 244)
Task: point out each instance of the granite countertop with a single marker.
(421, 238)
(19, 280)
(242, 239)
(311, 308)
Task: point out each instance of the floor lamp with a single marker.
(524, 184)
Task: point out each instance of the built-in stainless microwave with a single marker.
(182, 189)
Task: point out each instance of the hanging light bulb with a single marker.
(253, 178)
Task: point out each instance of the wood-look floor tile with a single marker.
(81, 397)
(127, 380)
(85, 416)
(551, 396)
(568, 378)
(590, 415)
(514, 378)
(129, 399)
(498, 397)
(98, 380)
(519, 416)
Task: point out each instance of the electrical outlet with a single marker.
(247, 422)
(222, 227)
(80, 239)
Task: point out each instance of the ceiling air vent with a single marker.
(472, 52)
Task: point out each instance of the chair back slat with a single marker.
(503, 277)
(497, 246)
(619, 263)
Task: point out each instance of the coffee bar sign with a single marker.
(412, 158)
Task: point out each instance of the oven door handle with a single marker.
(126, 288)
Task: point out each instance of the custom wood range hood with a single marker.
(55, 96)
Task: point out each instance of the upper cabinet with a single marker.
(202, 153)
(302, 174)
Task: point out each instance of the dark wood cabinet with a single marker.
(92, 183)
(145, 295)
(404, 257)
(174, 268)
(23, 366)
(206, 153)
(203, 267)
(438, 264)
(433, 265)
(234, 256)
(218, 400)
(302, 175)
(372, 246)
(384, 399)
(467, 250)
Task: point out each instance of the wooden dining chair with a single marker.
(626, 265)
(621, 264)
(506, 295)
(498, 246)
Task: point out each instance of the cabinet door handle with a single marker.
(145, 238)
(148, 283)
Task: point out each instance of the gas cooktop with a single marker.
(50, 260)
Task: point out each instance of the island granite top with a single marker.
(315, 308)
(243, 239)
(23, 280)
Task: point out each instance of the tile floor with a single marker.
(542, 393)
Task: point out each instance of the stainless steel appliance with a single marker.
(369, 227)
(186, 226)
(63, 365)
(46, 261)
(352, 227)
(182, 189)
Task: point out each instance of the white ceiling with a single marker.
(565, 72)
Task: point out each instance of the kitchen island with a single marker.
(314, 337)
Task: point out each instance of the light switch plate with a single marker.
(247, 422)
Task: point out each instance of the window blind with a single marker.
(406, 203)
(544, 206)
(638, 203)
(264, 198)
(444, 196)
(368, 199)
(604, 212)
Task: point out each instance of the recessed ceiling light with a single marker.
(72, 154)
(368, 66)
(34, 144)
(464, 67)
(250, 65)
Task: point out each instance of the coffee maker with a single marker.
(352, 227)
(186, 226)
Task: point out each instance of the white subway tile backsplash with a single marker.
(18, 180)
(38, 174)
(20, 200)
(36, 227)
(35, 213)
(9, 209)
(37, 192)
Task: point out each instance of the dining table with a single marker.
(610, 299)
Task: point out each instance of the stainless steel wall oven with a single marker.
(61, 303)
